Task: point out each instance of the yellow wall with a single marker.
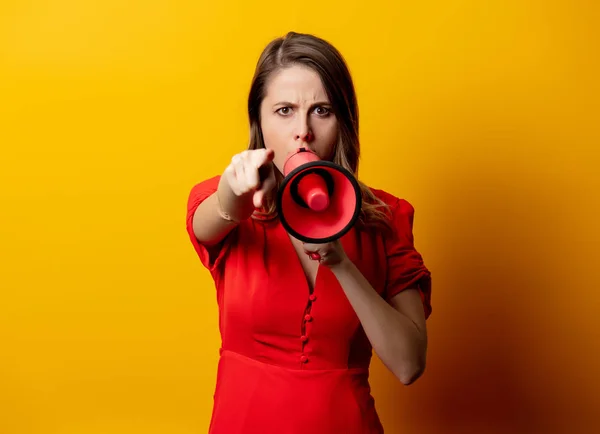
(485, 115)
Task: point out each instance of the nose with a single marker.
(303, 133)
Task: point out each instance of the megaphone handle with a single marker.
(314, 256)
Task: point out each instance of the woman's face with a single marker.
(296, 112)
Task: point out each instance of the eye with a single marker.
(284, 111)
(322, 111)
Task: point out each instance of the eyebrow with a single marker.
(290, 104)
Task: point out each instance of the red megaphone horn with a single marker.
(318, 201)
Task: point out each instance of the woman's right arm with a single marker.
(242, 188)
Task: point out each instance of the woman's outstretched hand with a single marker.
(251, 172)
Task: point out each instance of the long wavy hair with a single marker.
(319, 55)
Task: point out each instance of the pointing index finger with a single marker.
(266, 156)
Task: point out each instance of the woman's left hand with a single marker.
(330, 254)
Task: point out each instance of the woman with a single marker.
(298, 333)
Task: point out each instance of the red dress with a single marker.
(294, 361)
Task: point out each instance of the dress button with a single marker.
(304, 359)
(303, 338)
(312, 297)
(308, 318)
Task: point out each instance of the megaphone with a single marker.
(318, 201)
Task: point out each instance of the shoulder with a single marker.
(396, 204)
(210, 183)
(199, 192)
(203, 189)
(399, 213)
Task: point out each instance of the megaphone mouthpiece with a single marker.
(312, 189)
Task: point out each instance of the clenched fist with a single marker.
(329, 254)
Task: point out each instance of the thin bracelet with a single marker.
(223, 214)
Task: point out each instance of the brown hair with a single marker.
(319, 55)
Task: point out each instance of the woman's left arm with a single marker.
(397, 330)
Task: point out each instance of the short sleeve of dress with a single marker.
(405, 265)
(210, 256)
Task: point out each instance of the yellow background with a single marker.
(483, 114)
